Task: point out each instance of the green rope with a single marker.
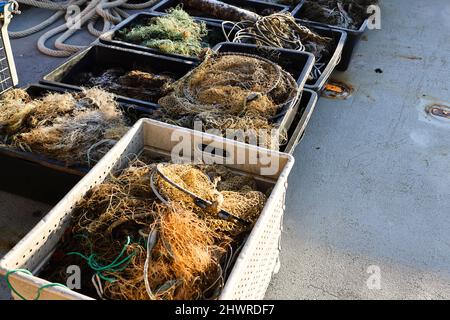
(38, 294)
(115, 266)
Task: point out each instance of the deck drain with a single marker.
(437, 110)
(337, 90)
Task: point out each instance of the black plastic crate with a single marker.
(259, 7)
(38, 177)
(285, 59)
(298, 64)
(215, 35)
(339, 38)
(290, 7)
(353, 36)
(306, 108)
(100, 58)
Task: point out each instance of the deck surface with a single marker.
(370, 186)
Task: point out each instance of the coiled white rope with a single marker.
(109, 12)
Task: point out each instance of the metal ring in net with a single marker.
(273, 83)
(202, 203)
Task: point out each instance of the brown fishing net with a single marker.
(76, 128)
(138, 247)
(188, 177)
(181, 259)
(136, 84)
(231, 91)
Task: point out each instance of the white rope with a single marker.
(98, 286)
(108, 13)
(151, 242)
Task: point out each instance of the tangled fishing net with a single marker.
(135, 84)
(343, 13)
(175, 32)
(232, 92)
(137, 247)
(76, 128)
(280, 30)
(234, 195)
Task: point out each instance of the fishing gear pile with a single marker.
(219, 187)
(174, 33)
(75, 128)
(139, 237)
(343, 13)
(136, 84)
(232, 91)
(280, 30)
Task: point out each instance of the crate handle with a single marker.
(213, 151)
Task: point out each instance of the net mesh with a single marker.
(231, 91)
(136, 84)
(76, 128)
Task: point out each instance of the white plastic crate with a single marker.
(8, 73)
(258, 259)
